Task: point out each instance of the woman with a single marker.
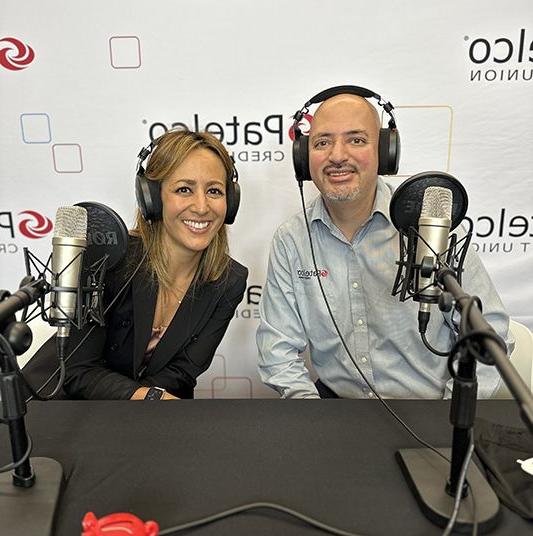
(173, 311)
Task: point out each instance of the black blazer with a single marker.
(109, 364)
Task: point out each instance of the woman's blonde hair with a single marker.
(171, 149)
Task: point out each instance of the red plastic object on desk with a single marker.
(121, 524)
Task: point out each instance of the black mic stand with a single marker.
(426, 472)
(27, 502)
(494, 351)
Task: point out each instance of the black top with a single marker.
(109, 364)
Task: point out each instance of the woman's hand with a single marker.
(168, 396)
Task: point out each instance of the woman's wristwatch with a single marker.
(154, 393)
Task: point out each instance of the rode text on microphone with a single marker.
(424, 209)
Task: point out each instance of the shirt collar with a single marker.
(382, 201)
(381, 205)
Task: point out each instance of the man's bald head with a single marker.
(340, 104)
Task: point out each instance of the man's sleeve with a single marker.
(281, 335)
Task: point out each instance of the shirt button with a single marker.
(363, 359)
(370, 394)
(114, 347)
(360, 322)
(125, 323)
(354, 284)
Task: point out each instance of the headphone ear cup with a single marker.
(389, 151)
(300, 158)
(233, 199)
(395, 142)
(148, 194)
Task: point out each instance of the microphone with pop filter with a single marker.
(424, 209)
(78, 280)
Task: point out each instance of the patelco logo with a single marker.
(261, 140)
(14, 54)
(308, 274)
(36, 226)
(501, 58)
(502, 232)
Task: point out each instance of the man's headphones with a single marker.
(389, 138)
(148, 192)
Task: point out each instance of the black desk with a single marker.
(178, 461)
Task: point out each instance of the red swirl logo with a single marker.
(302, 124)
(36, 226)
(14, 54)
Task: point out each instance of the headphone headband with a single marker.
(339, 90)
(343, 90)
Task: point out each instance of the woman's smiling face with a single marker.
(194, 201)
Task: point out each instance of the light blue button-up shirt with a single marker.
(380, 331)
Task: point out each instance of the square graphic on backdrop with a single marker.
(217, 369)
(234, 387)
(125, 52)
(35, 128)
(67, 158)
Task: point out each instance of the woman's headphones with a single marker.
(148, 192)
(389, 138)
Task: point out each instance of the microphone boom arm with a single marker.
(498, 356)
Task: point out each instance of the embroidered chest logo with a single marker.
(308, 274)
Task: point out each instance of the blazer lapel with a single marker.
(144, 300)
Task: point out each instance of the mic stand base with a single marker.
(427, 475)
(30, 511)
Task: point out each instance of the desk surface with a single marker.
(178, 461)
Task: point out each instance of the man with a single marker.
(356, 248)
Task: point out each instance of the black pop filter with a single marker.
(406, 201)
(106, 235)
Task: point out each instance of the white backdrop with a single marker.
(84, 84)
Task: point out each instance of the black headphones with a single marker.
(148, 192)
(389, 138)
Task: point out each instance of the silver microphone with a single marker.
(68, 245)
(434, 229)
